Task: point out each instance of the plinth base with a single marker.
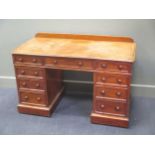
(121, 121)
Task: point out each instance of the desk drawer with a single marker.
(27, 71)
(112, 66)
(111, 92)
(115, 79)
(110, 107)
(69, 63)
(31, 83)
(33, 98)
(24, 59)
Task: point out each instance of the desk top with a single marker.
(79, 46)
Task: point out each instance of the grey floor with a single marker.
(72, 117)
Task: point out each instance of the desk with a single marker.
(39, 65)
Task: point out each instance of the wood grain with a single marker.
(84, 37)
(39, 65)
(97, 47)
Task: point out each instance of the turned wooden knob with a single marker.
(117, 108)
(36, 73)
(118, 94)
(34, 60)
(103, 79)
(103, 92)
(80, 63)
(104, 65)
(55, 61)
(26, 97)
(119, 80)
(20, 59)
(24, 84)
(37, 85)
(22, 72)
(102, 106)
(38, 99)
(120, 67)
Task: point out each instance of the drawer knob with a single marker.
(120, 67)
(80, 63)
(38, 98)
(26, 97)
(55, 61)
(118, 94)
(104, 65)
(103, 92)
(36, 73)
(102, 106)
(119, 80)
(20, 59)
(22, 72)
(24, 84)
(34, 60)
(103, 79)
(37, 85)
(117, 108)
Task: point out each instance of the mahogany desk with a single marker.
(39, 64)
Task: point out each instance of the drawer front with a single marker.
(69, 63)
(112, 66)
(111, 92)
(33, 98)
(26, 71)
(106, 106)
(31, 84)
(116, 79)
(32, 60)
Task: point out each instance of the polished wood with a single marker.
(110, 119)
(112, 79)
(106, 106)
(85, 37)
(28, 97)
(39, 65)
(31, 83)
(30, 60)
(70, 64)
(29, 72)
(114, 49)
(118, 93)
(113, 66)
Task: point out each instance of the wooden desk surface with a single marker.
(79, 46)
(39, 68)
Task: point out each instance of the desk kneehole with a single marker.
(40, 61)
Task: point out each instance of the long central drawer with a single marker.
(69, 63)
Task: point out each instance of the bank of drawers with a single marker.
(111, 80)
(111, 91)
(31, 85)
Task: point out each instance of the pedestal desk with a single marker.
(39, 64)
